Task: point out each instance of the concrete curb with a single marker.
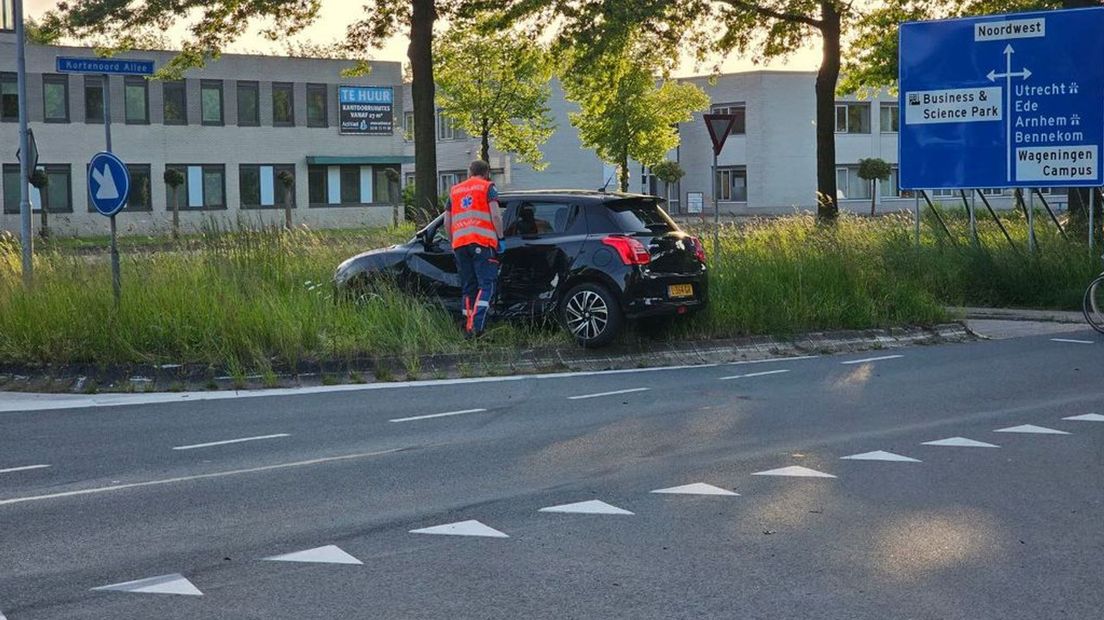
(1019, 314)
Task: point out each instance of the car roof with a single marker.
(592, 196)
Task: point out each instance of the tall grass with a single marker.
(255, 300)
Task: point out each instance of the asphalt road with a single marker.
(199, 489)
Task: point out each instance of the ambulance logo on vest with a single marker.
(466, 202)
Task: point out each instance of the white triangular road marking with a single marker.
(795, 471)
(2, 616)
(880, 455)
(1088, 417)
(698, 488)
(165, 584)
(1031, 429)
(462, 528)
(107, 189)
(959, 442)
(330, 554)
(592, 507)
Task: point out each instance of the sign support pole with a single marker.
(973, 216)
(26, 238)
(716, 212)
(917, 218)
(1030, 220)
(1092, 213)
(116, 276)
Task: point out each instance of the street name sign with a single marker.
(108, 183)
(1012, 100)
(117, 66)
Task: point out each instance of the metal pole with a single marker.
(1030, 220)
(716, 211)
(116, 275)
(25, 236)
(917, 218)
(1092, 212)
(973, 216)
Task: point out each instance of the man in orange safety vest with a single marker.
(474, 225)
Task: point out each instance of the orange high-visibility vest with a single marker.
(471, 214)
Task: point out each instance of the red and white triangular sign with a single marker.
(719, 126)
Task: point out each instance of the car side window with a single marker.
(534, 219)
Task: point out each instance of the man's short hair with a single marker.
(479, 168)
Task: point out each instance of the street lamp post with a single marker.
(26, 239)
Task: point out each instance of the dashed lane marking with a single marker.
(12, 470)
(591, 507)
(698, 488)
(872, 359)
(462, 528)
(330, 554)
(756, 374)
(959, 442)
(1073, 340)
(880, 455)
(1088, 417)
(774, 360)
(231, 441)
(794, 471)
(437, 415)
(165, 584)
(613, 393)
(1031, 429)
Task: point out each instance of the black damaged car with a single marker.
(591, 260)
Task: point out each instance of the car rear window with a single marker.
(640, 216)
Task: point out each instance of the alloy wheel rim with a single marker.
(587, 315)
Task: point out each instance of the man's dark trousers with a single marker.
(478, 269)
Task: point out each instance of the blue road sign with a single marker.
(120, 66)
(108, 183)
(1012, 100)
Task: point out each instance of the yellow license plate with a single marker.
(680, 290)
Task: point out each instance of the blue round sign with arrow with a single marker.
(108, 183)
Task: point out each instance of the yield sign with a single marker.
(719, 126)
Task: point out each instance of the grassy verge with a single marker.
(252, 301)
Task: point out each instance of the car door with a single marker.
(542, 239)
(432, 266)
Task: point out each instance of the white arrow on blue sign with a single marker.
(108, 183)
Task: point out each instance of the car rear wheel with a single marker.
(591, 314)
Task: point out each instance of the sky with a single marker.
(335, 16)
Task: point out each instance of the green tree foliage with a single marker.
(874, 169)
(623, 114)
(495, 86)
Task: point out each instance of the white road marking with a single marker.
(1073, 340)
(462, 528)
(165, 584)
(775, 360)
(591, 507)
(1031, 429)
(795, 471)
(756, 374)
(698, 488)
(959, 442)
(1088, 417)
(23, 468)
(330, 554)
(872, 359)
(219, 474)
(613, 393)
(437, 415)
(230, 441)
(880, 455)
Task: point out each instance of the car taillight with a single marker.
(631, 251)
(699, 249)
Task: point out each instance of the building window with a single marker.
(446, 180)
(888, 188)
(176, 102)
(93, 99)
(890, 113)
(732, 184)
(408, 126)
(9, 98)
(55, 98)
(136, 100)
(852, 118)
(57, 195)
(249, 104)
(317, 185)
(138, 199)
(739, 110)
(204, 186)
(260, 186)
(317, 110)
(350, 185)
(283, 104)
(210, 101)
(7, 15)
(385, 185)
(408, 179)
(447, 129)
(848, 184)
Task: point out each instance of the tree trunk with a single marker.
(827, 77)
(623, 171)
(420, 54)
(176, 213)
(873, 195)
(485, 143)
(287, 211)
(45, 232)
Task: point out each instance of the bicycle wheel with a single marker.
(1093, 306)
